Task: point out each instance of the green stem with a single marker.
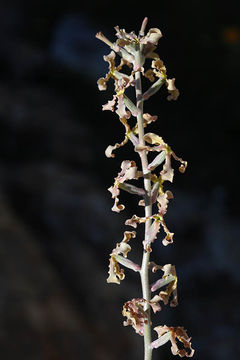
(148, 212)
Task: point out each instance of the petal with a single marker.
(153, 36)
(173, 91)
(121, 108)
(152, 138)
(163, 201)
(123, 247)
(110, 58)
(150, 75)
(110, 104)
(135, 220)
(148, 119)
(102, 84)
(115, 273)
(167, 172)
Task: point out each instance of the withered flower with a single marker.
(128, 171)
(166, 333)
(169, 278)
(135, 314)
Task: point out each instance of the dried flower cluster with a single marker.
(132, 50)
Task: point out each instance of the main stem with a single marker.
(148, 213)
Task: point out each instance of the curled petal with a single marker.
(159, 67)
(115, 273)
(128, 235)
(121, 108)
(169, 236)
(129, 171)
(102, 83)
(173, 91)
(111, 148)
(183, 165)
(115, 193)
(150, 75)
(123, 247)
(135, 220)
(150, 42)
(163, 201)
(110, 58)
(148, 119)
(152, 138)
(110, 104)
(117, 207)
(154, 267)
(167, 172)
(153, 36)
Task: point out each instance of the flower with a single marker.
(136, 315)
(173, 334)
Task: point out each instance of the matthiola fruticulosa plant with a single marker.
(133, 50)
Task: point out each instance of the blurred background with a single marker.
(56, 224)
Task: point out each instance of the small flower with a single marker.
(136, 315)
(169, 278)
(173, 334)
(128, 172)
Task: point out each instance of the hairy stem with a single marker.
(148, 213)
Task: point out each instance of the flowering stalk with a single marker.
(133, 50)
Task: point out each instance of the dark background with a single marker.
(56, 224)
